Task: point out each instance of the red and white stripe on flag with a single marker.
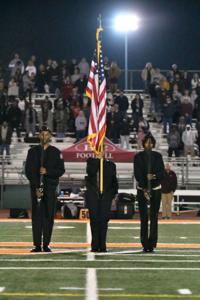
(96, 91)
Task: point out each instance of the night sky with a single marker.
(169, 31)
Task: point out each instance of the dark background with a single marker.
(169, 31)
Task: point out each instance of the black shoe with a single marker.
(145, 250)
(103, 250)
(46, 249)
(94, 250)
(36, 249)
(148, 250)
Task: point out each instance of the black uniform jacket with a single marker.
(148, 162)
(110, 183)
(53, 163)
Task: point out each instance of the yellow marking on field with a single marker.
(41, 295)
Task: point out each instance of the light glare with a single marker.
(126, 22)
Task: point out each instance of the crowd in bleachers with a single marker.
(174, 103)
(67, 80)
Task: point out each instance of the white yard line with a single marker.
(72, 288)
(91, 276)
(80, 288)
(104, 260)
(123, 228)
(55, 227)
(99, 268)
(184, 292)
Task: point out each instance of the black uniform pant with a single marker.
(99, 209)
(43, 216)
(149, 236)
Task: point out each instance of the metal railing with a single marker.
(12, 171)
(135, 81)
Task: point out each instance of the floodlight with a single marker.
(126, 22)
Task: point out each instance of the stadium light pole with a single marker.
(126, 23)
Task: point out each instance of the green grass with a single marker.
(137, 282)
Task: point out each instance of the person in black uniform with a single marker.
(149, 171)
(49, 168)
(99, 204)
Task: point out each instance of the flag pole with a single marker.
(102, 146)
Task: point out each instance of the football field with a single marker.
(124, 272)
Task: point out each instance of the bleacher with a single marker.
(185, 168)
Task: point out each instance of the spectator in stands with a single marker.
(66, 88)
(54, 76)
(198, 88)
(122, 101)
(137, 109)
(154, 97)
(148, 74)
(30, 120)
(45, 116)
(13, 89)
(3, 93)
(113, 124)
(149, 171)
(3, 112)
(144, 124)
(14, 117)
(164, 84)
(86, 108)
(168, 112)
(107, 70)
(76, 75)
(31, 69)
(18, 79)
(157, 77)
(173, 72)
(5, 140)
(197, 107)
(177, 107)
(98, 203)
(140, 138)
(80, 125)
(193, 97)
(114, 74)
(187, 80)
(47, 100)
(75, 107)
(84, 67)
(195, 80)
(173, 140)
(169, 185)
(61, 118)
(42, 79)
(81, 84)
(16, 63)
(187, 110)
(186, 95)
(125, 132)
(180, 82)
(28, 84)
(188, 138)
(72, 65)
(176, 92)
(49, 64)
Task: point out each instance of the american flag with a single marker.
(96, 91)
